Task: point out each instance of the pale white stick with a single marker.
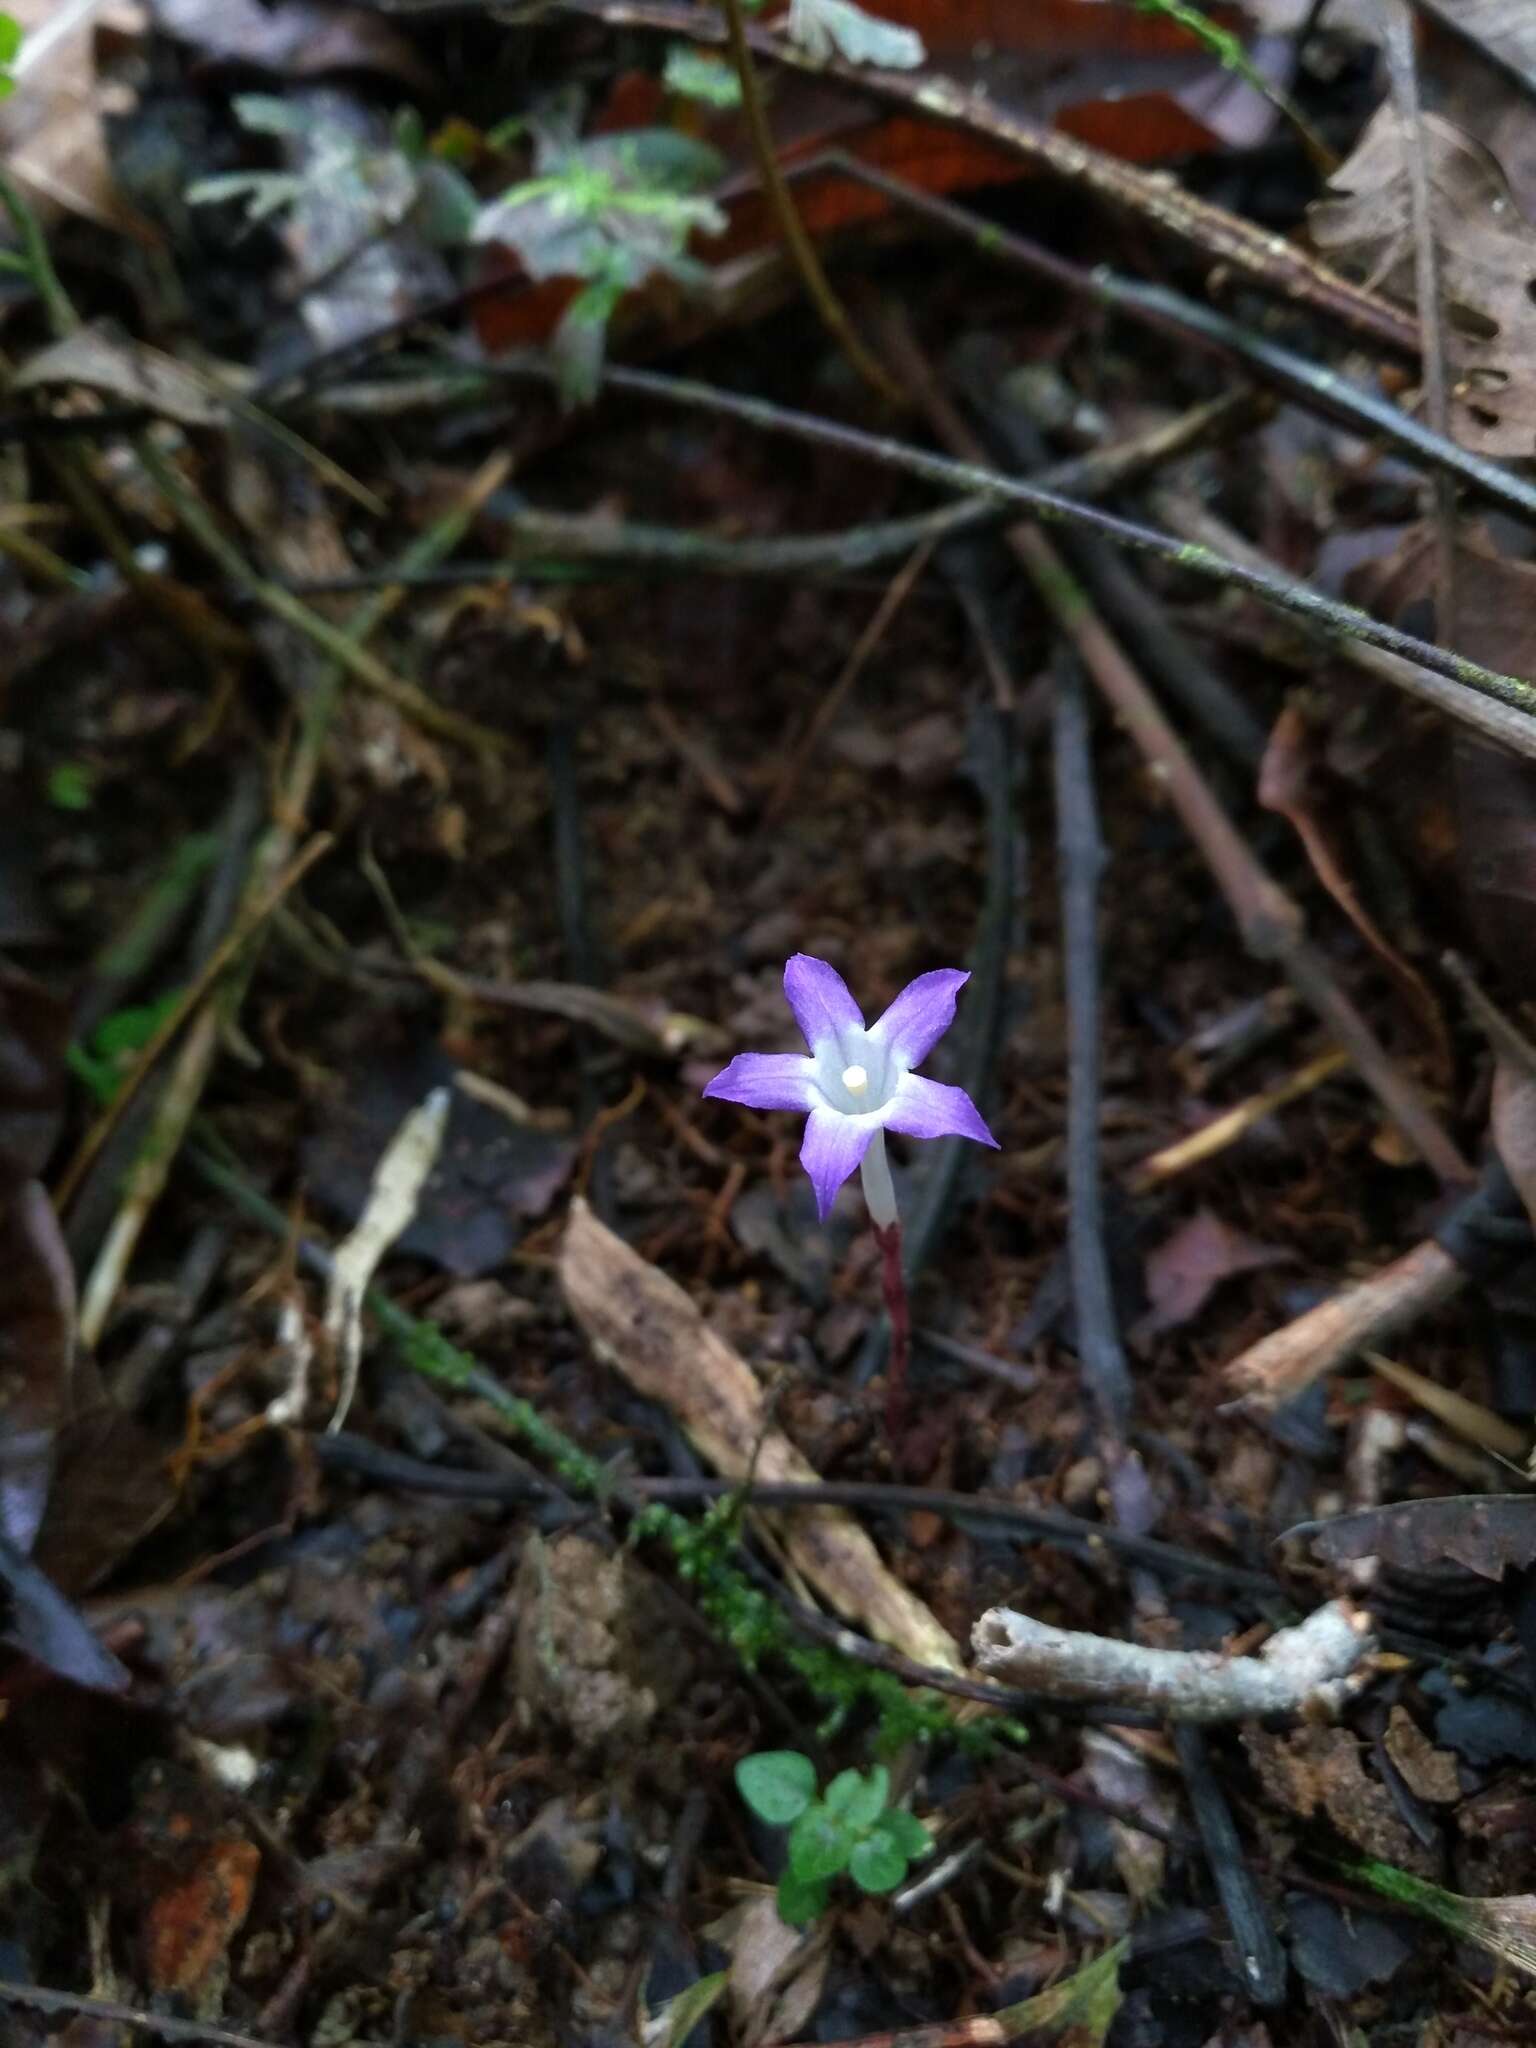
(401, 1175)
(1297, 1669)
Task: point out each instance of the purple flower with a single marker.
(857, 1081)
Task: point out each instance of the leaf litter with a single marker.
(428, 1726)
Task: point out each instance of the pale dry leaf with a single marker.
(1506, 29)
(1487, 256)
(51, 135)
(131, 371)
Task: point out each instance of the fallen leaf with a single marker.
(1506, 29)
(37, 1339)
(294, 38)
(1320, 1770)
(34, 1036)
(131, 371)
(1341, 1953)
(1185, 1270)
(776, 1973)
(1487, 256)
(40, 1622)
(1429, 1773)
(189, 1926)
(1486, 1533)
(491, 1172)
(51, 134)
(1512, 1125)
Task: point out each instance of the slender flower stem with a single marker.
(893, 1281)
(802, 249)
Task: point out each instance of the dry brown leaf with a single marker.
(1487, 255)
(644, 1325)
(1513, 1123)
(51, 134)
(1430, 1774)
(1312, 1769)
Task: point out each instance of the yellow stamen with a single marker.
(855, 1080)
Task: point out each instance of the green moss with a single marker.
(702, 1548)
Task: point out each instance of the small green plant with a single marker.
(851, 1827)
(10, 46)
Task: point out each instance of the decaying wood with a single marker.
(644, 1325)
(1299, 1669)
(1288, 1360)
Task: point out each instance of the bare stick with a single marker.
(111, 2014)
(1269, 921)
(1403, 73)
(1258, 1947)
(1182, 512)
(1101, 1357)
(1297, 1670)
(1213, 1138)
(1373, 1311)
(1270, 585)
(802, 250)
(1314, 386)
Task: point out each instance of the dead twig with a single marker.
(1260, 1956)
(110, 2014)
(1396, 22)
(1483, 1233)
(1298, 1670)
(1213, 1138)
(1269, 922)
(1101, 1356)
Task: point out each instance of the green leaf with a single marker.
(70, 787)
(673, 2022)
(778, 1784)
(856, 1800)
(695, 75)
(10, 38)
(822, 26)
(906, 1831)
(877, 1865)
(819, 1845)
(799, 1901)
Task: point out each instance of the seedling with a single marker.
(851, 1827)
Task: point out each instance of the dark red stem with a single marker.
(894, 1283)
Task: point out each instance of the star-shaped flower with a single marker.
(857, 1080)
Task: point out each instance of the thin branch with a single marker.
(1514, 730)
(1260, 1956)
(110, 2013)
(802, 250)
(1080, 848)
(1485, 1232)
(1298, 1670)
(1339, 621)
(1268, 920)
(1403, 75)
(1313, 386)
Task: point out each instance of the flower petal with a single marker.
(921, 1108)
(920, 1015)
(766, 1080)
(819, 997)
(834, 1145)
